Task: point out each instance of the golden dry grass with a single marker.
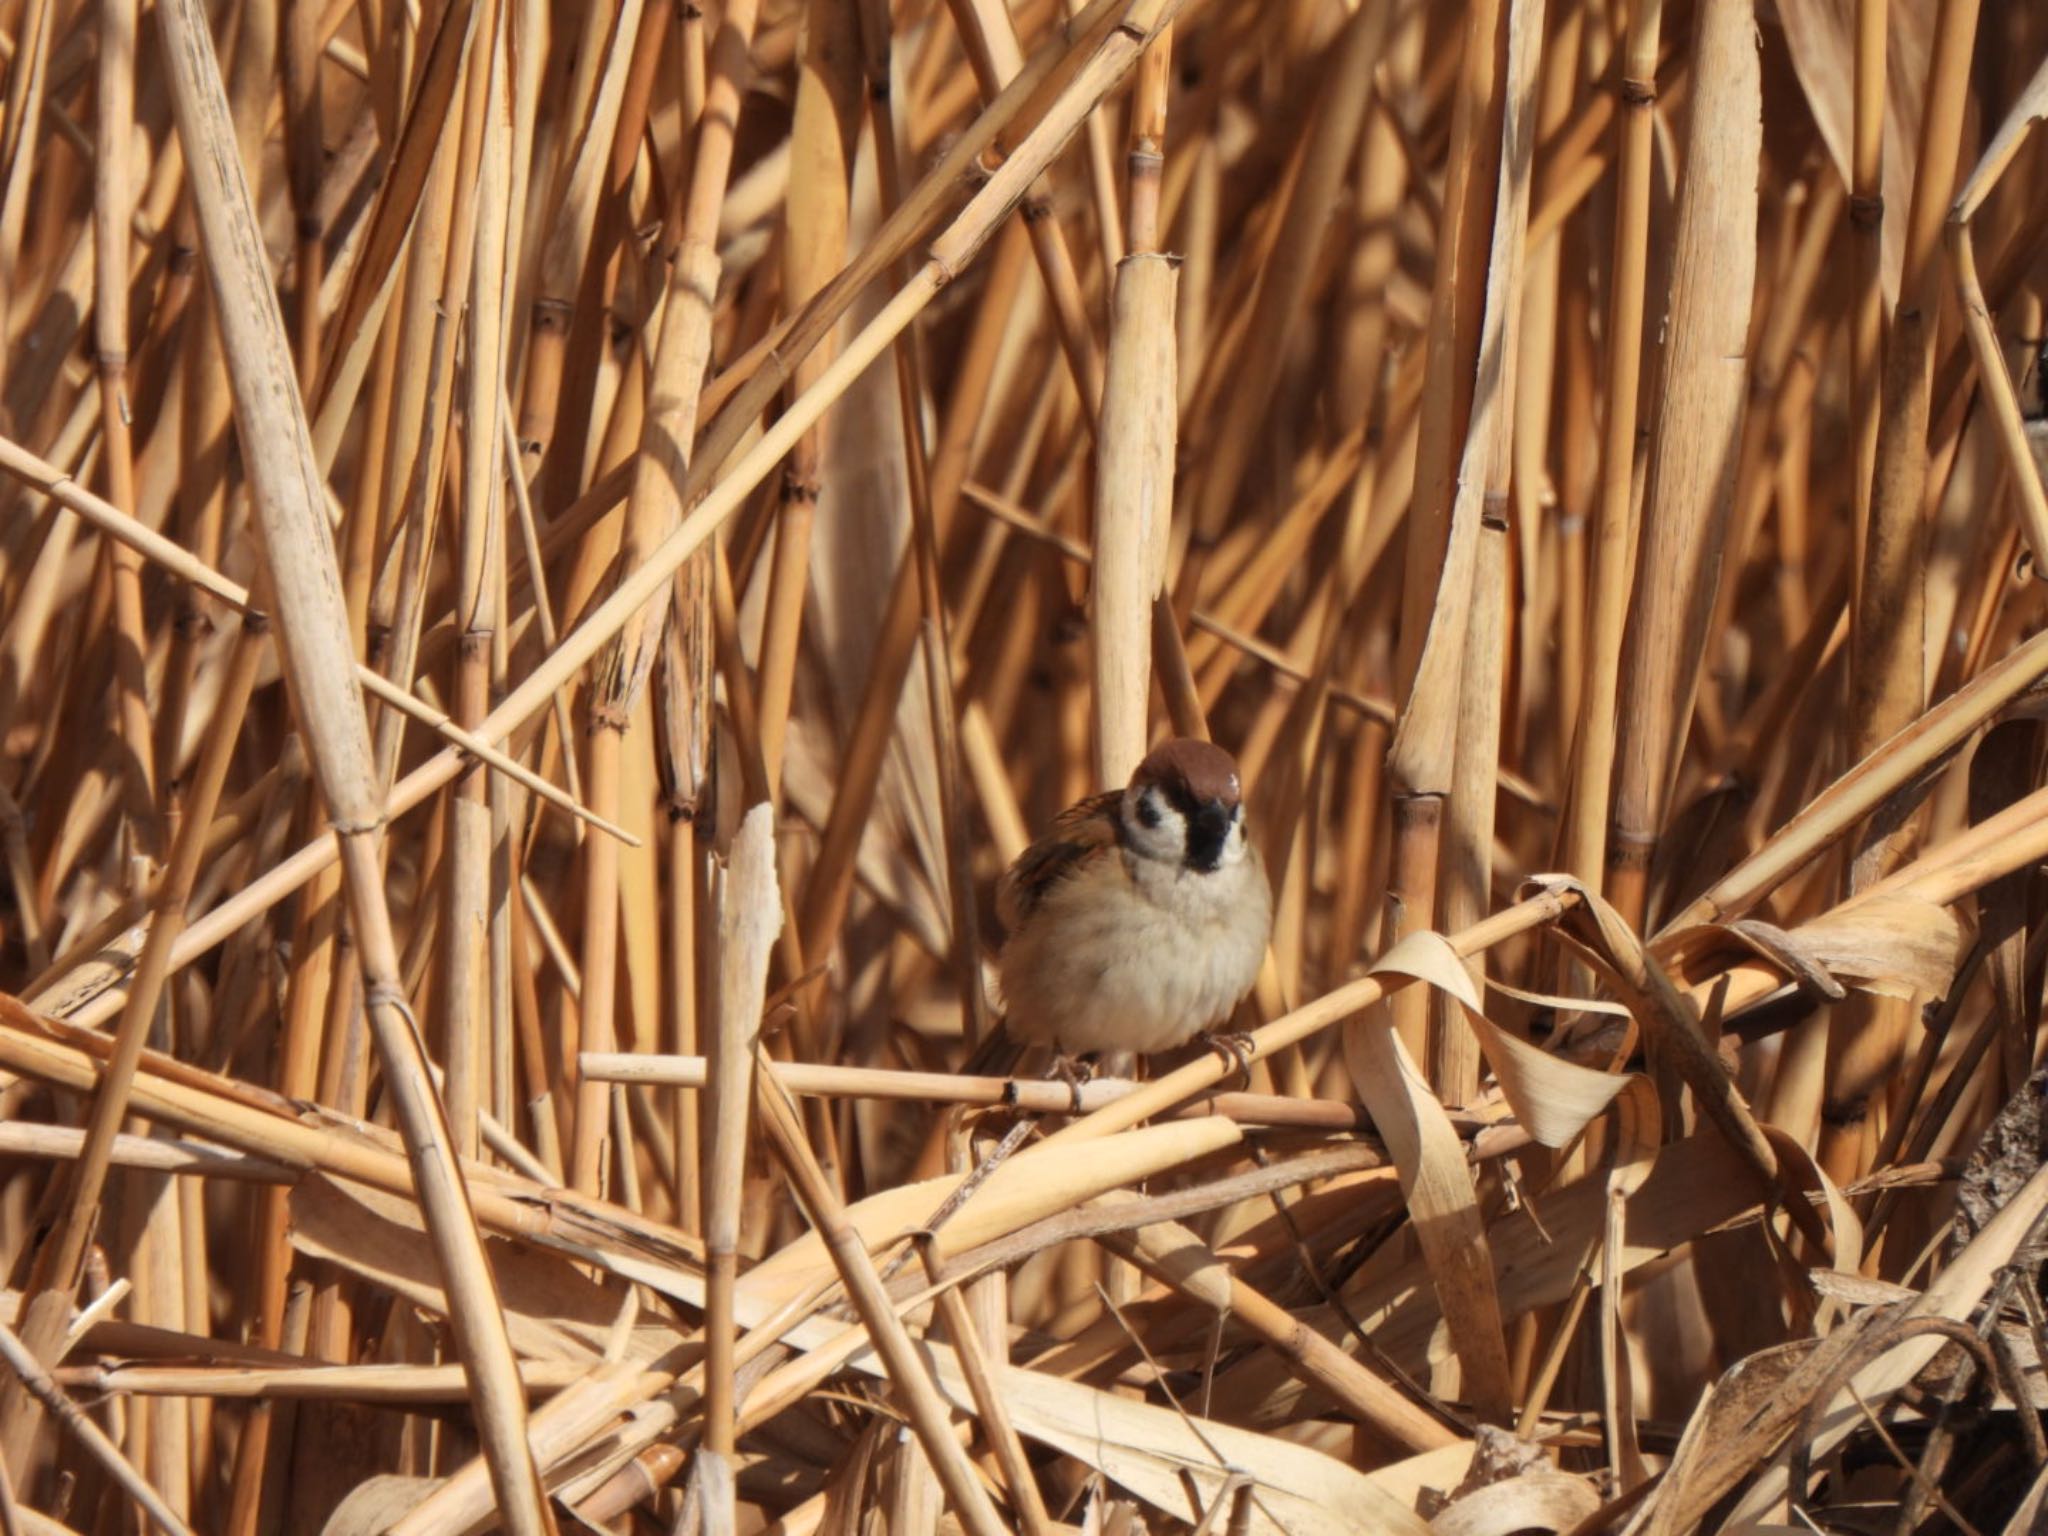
(549, 555)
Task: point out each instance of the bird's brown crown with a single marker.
(1199, 771)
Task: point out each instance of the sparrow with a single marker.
(1140, 920)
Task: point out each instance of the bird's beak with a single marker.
(1207, 833)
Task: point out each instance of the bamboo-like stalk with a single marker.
(1335, 127)
(313, 629)
(112, 204)
(465, 991)
(595, 99)
(1866, 232)
(823, 136)
(1887, 639)
(1417, 783)
(1693, 458)
(1583, 845)
(19, 133)
(1133, 506)
(654, 508)
(1482, 497)
(989, 38)
(750, 915)
(1886, 642)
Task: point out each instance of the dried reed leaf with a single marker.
(1535, 1501)
(552, 1311)
(1027, 1187)
(375, 1503)
(1157, 1454)
(1434, 1178)
(1892, 945)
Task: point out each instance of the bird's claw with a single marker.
(1072, 1071)
(1237, 1049)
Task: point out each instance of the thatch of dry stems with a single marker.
(550, 555)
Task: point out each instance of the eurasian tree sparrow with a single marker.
(1140, 920)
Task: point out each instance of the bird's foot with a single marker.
(1074, 1072)
(1237, 1049)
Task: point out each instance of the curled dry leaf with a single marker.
(1441, 1200)
(1554, 1099)
(1891, 944)
(1536, 1501)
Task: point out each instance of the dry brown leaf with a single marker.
(1441, 1200)
(1535, 1501)
(1890, 944)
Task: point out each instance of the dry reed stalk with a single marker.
(989, 38)
(313, 631)
(1887, 636)
(913, 1385)
(1464, 761)
(32, 1377)
(1866, 225)
(1693, 457)
(474, 886)
(750, 914)
(59, 487)
(1457, 298)
(1583, 845)
(822, 134)
(1133, 506)
(59, 1262)
(654, 508)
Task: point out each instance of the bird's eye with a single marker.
(1148, 811)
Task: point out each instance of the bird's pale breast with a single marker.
(1131, 955)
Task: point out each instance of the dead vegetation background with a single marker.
(551, 553)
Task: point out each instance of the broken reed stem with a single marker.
(749, 917)
(1133, 507)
